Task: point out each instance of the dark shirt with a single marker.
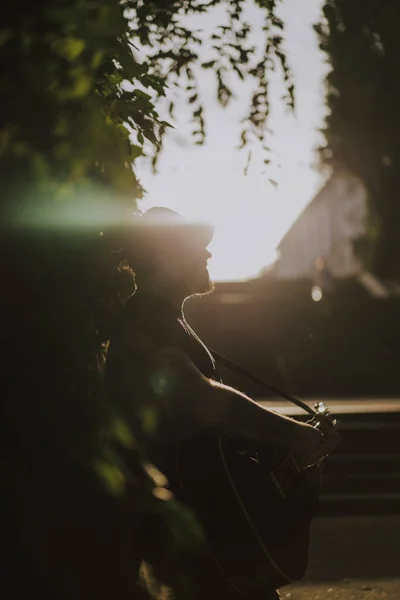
(148, 322)
(148, 317)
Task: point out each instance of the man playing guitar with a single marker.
(156, 360)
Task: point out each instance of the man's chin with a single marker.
(206, 287)
(209, 288)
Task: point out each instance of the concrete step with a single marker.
(359, 504)
(348, 464)
(361, 483)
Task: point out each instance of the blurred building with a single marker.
(322, 238)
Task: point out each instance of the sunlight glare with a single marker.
(250, 214)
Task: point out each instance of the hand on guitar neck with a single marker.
(311, 445)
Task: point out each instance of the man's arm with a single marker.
(186, 402)
(200, 403)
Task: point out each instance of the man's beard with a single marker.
(209, 286)
(201, 286)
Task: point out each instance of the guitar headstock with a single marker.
(323, 419)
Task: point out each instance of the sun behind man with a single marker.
(156, 360)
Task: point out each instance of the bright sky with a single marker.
(250, 214)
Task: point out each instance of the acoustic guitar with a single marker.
(255, 503)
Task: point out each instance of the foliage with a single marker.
(78, 108)
(75, 68)
(176, 53)
(361, 41)
(64, 116)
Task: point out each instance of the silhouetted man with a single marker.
(156, 361)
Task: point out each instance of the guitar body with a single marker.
(255, 507)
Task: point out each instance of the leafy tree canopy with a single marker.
(79, 86)
(361, 41)
(80, 82)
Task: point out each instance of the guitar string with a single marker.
(278, 474)
(292, 476)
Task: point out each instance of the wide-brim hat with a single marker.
(160, 224)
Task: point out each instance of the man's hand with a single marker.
(311, 446)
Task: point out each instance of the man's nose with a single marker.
(208, 254)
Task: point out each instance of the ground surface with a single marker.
(345, 590)
(351, 558)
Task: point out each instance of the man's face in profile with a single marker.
(186, 261)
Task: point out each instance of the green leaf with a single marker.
(123, 434)
(209, 64)
(112, 477)
(69, 47)
(136, 151)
